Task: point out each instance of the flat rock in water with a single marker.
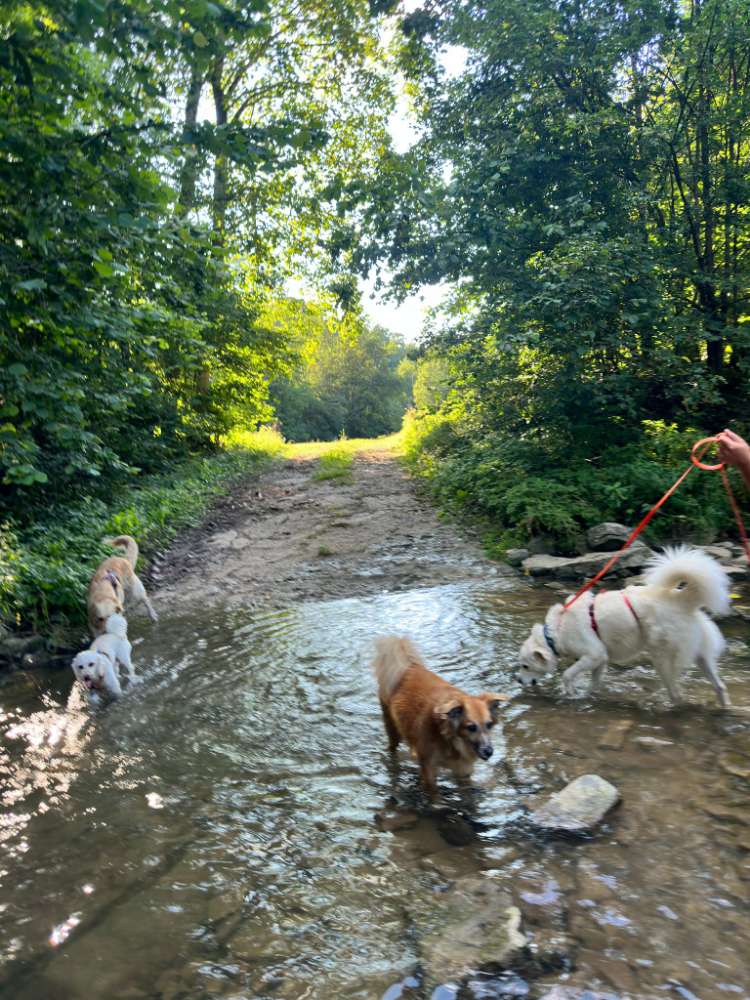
(721, 552)
(581, 567)
(516, 556)
(735, 763)
(391, 821)
(579, 806)
(652, 742)
(473, 925)
(608, 535)
(577, 993)
(615, 734)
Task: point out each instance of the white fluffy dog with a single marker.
(97, 667)
(661, 620)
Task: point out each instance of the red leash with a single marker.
(698, 450)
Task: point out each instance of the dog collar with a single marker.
(113, 578)
(548, 638)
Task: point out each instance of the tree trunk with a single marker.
(221, 167)
(189, 170)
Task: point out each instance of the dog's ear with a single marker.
(450, 710)
(494, 703)
(544, 658)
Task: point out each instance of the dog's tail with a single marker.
(116, 625)
(128, 543)
(395, 654)
(692, 577)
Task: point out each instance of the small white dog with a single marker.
(661, 620)
(97, 667)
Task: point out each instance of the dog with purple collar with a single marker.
(97, 668)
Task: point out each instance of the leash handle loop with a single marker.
(696, 454)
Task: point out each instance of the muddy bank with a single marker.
(287, 537)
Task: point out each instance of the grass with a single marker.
(45, 567)
(316, 449)
(335, 464)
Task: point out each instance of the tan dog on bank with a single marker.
(113, 583)
(443, 726)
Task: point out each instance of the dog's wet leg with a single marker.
(112, 684)
(588, 663)
(670, 672)
(427, 773)
(711, 672)
(128, 664)
(597, 676)
(139, 594)
(394, 737)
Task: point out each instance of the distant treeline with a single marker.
(350, 378)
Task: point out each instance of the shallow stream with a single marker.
(214, 833)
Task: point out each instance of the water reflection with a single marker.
(237, 823)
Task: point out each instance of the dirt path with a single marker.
(287, 537)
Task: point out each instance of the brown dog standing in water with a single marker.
(443, 726)
(113, 582)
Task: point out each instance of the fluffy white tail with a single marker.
(128, 543)
(395, 654)
(691, 576)
(116, 625)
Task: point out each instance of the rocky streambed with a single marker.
(235, 827)
(600, 544)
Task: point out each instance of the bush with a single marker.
(523, 488)
(45, 569)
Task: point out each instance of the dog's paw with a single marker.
(570, 691)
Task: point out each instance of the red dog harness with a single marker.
(629, 604)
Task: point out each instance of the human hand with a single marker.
(733, 449)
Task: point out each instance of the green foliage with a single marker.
(582, 187)
(432, 382)
(45, 568)
(351, 378)
(138, 243)
(335, 464)
(520, 489)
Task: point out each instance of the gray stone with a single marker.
(721, 552)
(577, 993)
(473, 925)
(580, 806)
(608, 535)
(651, 742)
(389, 822)
(542, 545)
(582, 567)
(17, 646)
(737, 570)
(516, 556)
